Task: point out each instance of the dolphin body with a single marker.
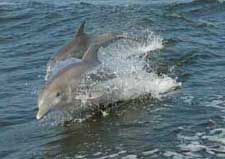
(78, 45)
(58, 91)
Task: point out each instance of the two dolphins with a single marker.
(59, 90)
(79, 44)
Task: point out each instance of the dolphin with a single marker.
(59, 91)
(79, 44)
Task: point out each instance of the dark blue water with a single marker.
(189, 123)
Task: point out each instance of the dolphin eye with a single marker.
(58, 94)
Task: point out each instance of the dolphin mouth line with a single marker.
(41, 113)
(38, 117)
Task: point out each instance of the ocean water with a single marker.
(175, 108)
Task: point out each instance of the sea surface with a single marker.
(172, 84)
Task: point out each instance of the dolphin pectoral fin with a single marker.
(80, 30)
(41, 113)
(91, 54)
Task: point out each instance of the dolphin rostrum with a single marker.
(79, 44)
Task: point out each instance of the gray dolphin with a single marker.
(79, 44)
(59, 91)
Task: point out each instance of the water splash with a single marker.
(128, 62)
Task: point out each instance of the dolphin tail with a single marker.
(107, 38)
(102, 41)
(127, 37)
(80, 30)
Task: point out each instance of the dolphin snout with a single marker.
(42, 111)
(38, 116)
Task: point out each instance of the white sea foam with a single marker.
(134, 85)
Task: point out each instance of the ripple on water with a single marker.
(216, 101)
(201, 144)
(31, 30)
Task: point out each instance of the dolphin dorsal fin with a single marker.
(80, 30)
